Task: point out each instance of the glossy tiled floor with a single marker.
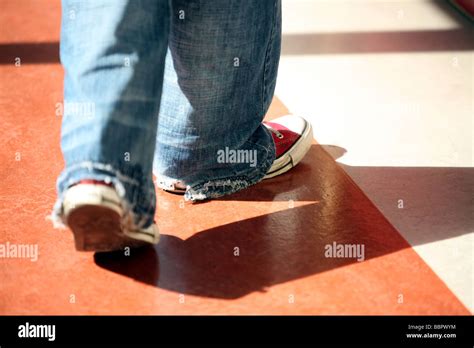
(261, 251)
(389, 87)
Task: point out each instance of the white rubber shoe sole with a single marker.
(94, 213)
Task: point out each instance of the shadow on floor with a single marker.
(289, 244)
(378, 42)
(459, 39)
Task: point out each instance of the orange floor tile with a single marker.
(280, 227)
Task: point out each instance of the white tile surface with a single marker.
(391, 83)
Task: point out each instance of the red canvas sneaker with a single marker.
(93, 211)
(292, 136)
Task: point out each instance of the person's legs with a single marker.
(113, 53)
(219, 81)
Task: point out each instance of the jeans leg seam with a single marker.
(267, 55)
(236, 183)
(100, 166)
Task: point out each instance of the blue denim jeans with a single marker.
(161, 87)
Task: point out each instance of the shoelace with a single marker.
(274, 131)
